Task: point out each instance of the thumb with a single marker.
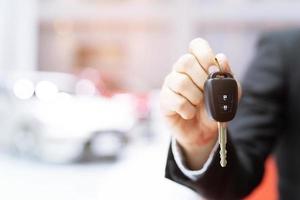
(223, 61)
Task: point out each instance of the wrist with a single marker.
(197, 154)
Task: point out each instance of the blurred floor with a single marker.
(139, 175)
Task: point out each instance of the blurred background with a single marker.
(79, 84)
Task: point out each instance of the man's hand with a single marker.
(182, 102)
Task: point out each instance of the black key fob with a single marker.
(221, 96)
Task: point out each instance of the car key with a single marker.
(221, 99)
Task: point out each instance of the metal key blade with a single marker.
(222, 142)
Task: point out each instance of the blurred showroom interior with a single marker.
(79, 87)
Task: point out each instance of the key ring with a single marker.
(218, 64)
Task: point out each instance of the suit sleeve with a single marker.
(252, 134)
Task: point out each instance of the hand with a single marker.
(182, 102)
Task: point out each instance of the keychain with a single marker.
(221, 100)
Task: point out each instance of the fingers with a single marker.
(182, 84)
(182, 92)
(172, 104)
(188, 65)
(203, 53)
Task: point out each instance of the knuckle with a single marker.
(193, 60)
(181, 105)
(177, 67)
(198, 100)
(187, 58)
(183, 63)
(184, 67)
(195, 96)
(185, 111)
(182, 83)
(189, 115)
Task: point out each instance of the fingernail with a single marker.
(213, 69)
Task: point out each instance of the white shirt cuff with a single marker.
(179, 159)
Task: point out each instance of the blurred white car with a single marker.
(58, 118)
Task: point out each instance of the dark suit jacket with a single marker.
(268, 120)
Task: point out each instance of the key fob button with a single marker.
(225, 108)
(224, 98)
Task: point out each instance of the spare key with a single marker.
(221, 99)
